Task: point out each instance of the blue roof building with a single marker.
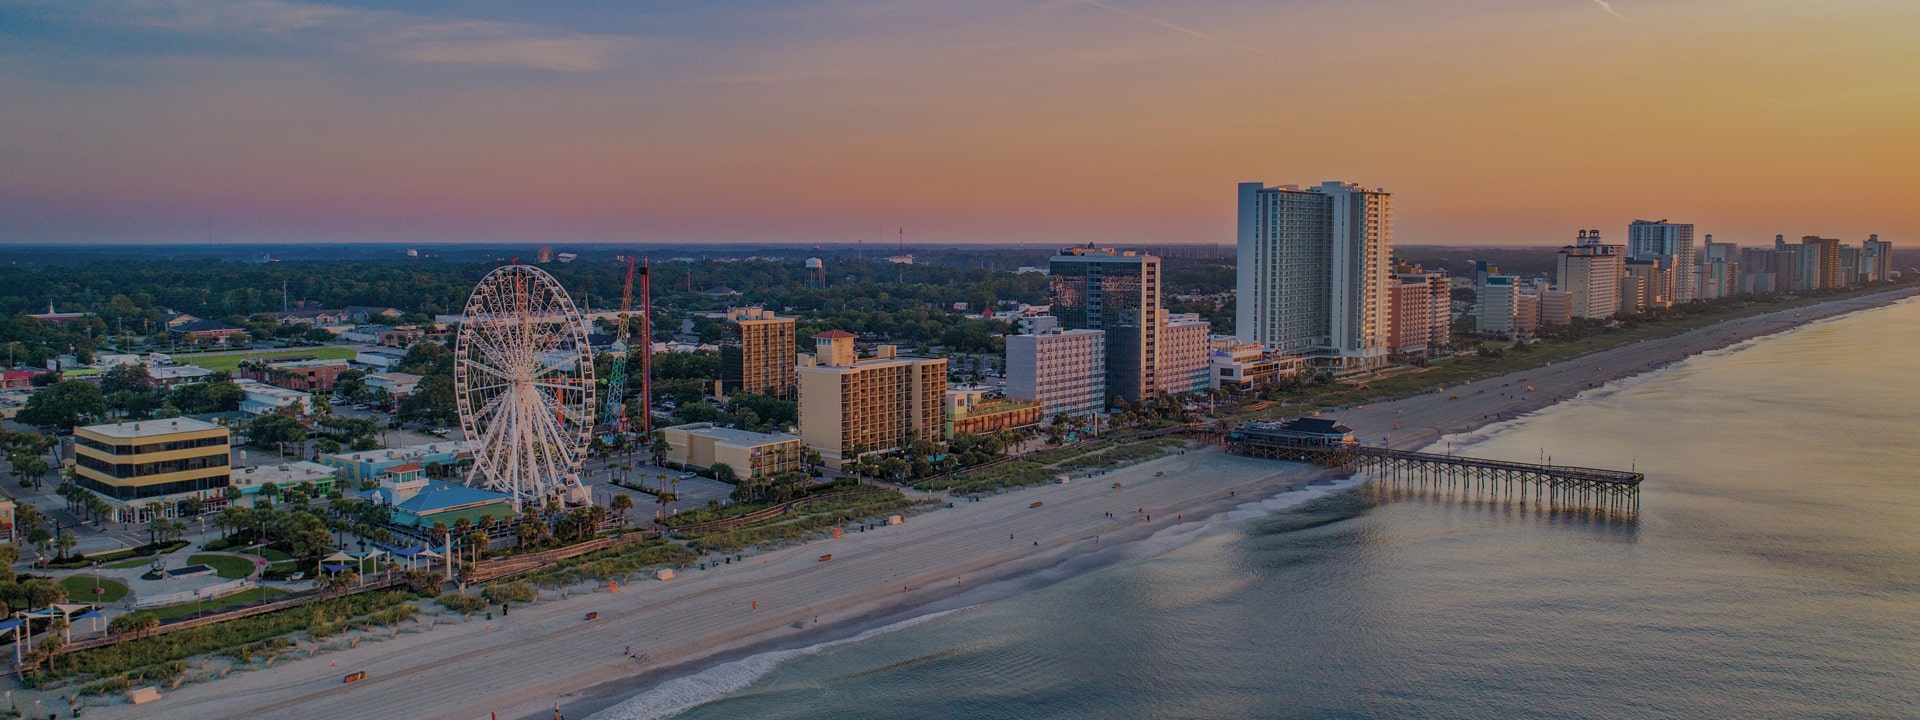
(417, 502)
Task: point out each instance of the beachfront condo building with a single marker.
(1876, 259)
(1819, 264)
(1315, 272)
(1671, 243)
(1554, 308)
(1063, 370)
(1422, 318)
(750, 455)
(148, 468)
(1184, 345)
(1718, 274)
(1657, 283)
(1117, 292)
(852, 406)
(758, 354)
(1498, 312)
(1590, 273)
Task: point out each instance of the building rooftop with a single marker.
(835, 335)
(203, 326)
(732, 436)
(175, 372)
(304, 362)
(1315, 425)
(397, 378)
(149, 428)
(255, 387)
(283, 474)
(437, 496)
(405, 453)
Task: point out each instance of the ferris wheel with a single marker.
(523, 377)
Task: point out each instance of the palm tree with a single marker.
(65, 542)
(478, 541)
(666, 497)
(529, 533)
(621, 504)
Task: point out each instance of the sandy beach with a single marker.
(546, 654)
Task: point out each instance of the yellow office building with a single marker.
(152, 465)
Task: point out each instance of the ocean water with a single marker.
(1774, 572)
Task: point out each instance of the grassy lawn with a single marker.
(80, 589)
(270, 554)
(230, 363)
(258, 593)
(226, 566)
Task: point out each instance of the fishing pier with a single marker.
(1328, 444)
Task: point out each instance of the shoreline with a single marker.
(548, 656)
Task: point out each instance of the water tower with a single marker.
(817, 272)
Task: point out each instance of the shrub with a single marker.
(519, 592)
(461, 603)
(240, 638)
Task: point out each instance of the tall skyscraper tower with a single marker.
(1117, 292)
(1671, 243)
(1316, 271)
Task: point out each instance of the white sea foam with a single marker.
(685, 693)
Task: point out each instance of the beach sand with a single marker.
(546, 655)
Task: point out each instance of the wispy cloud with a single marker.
(1607, 6)
(1182, 29)
(402, 36)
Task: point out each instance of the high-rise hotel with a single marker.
(1117, 292)
(758, 354)
(1316, 272)
(851, 406)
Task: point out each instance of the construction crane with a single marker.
(616, 413)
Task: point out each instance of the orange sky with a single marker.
(1493, 122)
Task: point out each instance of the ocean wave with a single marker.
(681, 694)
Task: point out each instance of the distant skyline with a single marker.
(1493, 122)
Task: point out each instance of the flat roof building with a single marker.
(1063, 370)
(357, 467)
(282, 476)
(1119, 292)
(851, 406)
(749, 454)
(140, 468)
(758, 354)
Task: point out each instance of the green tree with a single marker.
(621, 503)
(305, 534)
(220, 394)
(427, 358)
(351, 384)
(126, 378)
(65, 542)
(724, 473)
(432, 402)
(63, 405)
(271, 429)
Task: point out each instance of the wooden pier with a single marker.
(1613, 493)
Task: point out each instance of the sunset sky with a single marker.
(1046, 121)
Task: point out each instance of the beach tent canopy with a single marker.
(337, 557)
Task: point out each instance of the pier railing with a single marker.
(1556, 487)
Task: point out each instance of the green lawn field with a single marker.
(80, 589)
(230, 363)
